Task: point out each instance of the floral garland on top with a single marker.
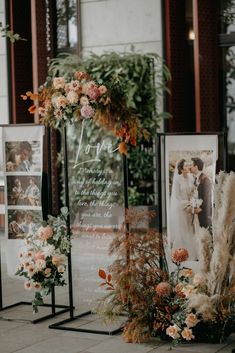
(43, 259)
(61, 101)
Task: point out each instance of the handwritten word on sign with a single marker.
(93, 152)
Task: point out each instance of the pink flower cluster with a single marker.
(73, 99)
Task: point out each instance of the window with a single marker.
(227, 44)
(67, 28)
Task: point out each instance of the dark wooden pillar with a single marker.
(206, 65)
(177, 52)
(20, 61)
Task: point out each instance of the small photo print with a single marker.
(23, 190)
(22, 223)
(23, 156)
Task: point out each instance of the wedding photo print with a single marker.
(189, 195)
(23, 156)
(24, 190)
(23, 222)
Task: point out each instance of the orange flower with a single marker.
(179, 255)
(163, 289)
(33, 96)
(32, 109)
(24, 97)
(122, 148)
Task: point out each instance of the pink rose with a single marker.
(102, 89)
(163, 289)
(93, 93)
(87, 111)
(45, 233)
(58, 260)
(179, 255)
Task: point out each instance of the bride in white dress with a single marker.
(182, 233)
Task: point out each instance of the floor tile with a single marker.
(60, 344)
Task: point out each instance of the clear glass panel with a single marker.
(66, 24)
(227, 15)
(96, 206)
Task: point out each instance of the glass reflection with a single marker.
(227, 14)
(230, 97)
(66, 24)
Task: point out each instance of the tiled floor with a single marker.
(17, 335)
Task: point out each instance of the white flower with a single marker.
(61, 269)
(84, 100)
(58, 113)
(27, 285)
(173, 331)
(72, 97)
(37, 285)
(48, 250)
(58, 82)
(73, 86)
(40, 264)
(61, 101)
(31, 270)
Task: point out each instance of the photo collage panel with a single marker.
(23, 176)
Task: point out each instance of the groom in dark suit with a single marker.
(204, 186)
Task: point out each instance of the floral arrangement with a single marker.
(62, 101)
(181, 305)
(44, 257)
(208, 312)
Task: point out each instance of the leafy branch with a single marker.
(6, 33)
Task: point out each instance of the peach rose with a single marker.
(186, 272)
(191, 320)
(187, 334)
(45, 233)
(58, 260)
(173, 331)
(102, 89)
(58, 82)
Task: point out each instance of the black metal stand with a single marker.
(53, 305)
(61, 325)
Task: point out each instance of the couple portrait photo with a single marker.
(190, 198)
(22, 223)
(23, 156)
(23, 191)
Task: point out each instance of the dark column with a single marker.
(20, 60)
(206, 66)
(177, 51)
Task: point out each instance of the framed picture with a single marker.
(187, 168)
